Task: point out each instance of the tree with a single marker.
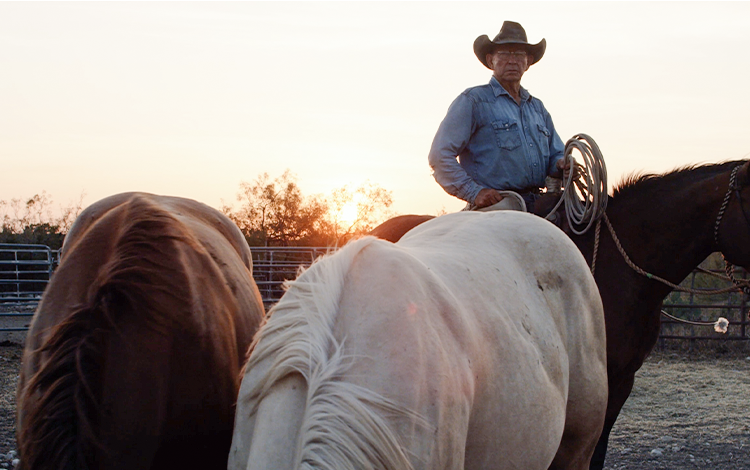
(31, 220)
(276, 213)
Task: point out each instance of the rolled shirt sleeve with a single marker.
(450, 140)
(556, 146)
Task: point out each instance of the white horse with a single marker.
(477, 341)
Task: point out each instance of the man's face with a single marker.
(509, 62)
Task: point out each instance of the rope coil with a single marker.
(585, 189)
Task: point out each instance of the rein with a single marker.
(738, 285)
(647, 274)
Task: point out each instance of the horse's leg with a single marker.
(618, 395)
(585, 410)
(578, 441)
(626, 354)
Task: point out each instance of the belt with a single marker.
(530, 189)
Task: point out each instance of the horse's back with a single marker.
(193, 213)
(464, 332)
(155, 297)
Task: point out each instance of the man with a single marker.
(503, 137)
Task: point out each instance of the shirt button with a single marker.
(531, 145)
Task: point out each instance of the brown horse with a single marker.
(667, 224)
(133, 356)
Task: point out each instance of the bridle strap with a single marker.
(729, 267)
(738, 191)
(725, 202)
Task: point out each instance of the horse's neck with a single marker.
(667, 237)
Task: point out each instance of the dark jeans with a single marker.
(530, 200)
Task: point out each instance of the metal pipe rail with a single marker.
(274, 265)
(704, 307)
(25, 271)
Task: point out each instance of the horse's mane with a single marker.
(341, 427)
(645, 183)
(61, 427)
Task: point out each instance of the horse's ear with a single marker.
(743, 175)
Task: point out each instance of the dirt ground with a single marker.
(689, 409)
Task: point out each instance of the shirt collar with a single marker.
(498, 89)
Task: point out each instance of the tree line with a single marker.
(33, 220)
(274, 212)
(269, 212)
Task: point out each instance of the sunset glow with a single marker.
(348, 215)
(191, 98)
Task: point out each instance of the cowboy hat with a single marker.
(510, 33)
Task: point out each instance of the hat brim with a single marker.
(483, 46)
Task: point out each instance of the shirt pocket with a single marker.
(506, 134)
(543, 139)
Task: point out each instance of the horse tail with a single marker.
(62, 411)
(343, 425)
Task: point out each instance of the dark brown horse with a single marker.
(133, 356)
(667, 224)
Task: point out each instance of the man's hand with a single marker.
(487, 197)
(563, 167)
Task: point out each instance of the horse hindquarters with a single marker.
(381, 391)
(411, 338)
(588, 387)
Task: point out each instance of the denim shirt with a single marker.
(499, 143)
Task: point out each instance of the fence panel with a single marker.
(274, 265)
(704, 307)
(25, 271)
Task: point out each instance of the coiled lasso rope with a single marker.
(585, 197)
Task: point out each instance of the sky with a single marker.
(192, 98)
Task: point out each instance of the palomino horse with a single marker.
(133, 356)
(667, 224)
(477, 342)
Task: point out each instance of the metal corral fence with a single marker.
(25, 271)
(698, 307)
(274, 265)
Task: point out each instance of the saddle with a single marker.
(542, 207)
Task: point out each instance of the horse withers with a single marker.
(477, 341)
(133, 356)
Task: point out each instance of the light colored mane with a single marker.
(344, 425)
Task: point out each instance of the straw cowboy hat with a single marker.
(510, 33)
